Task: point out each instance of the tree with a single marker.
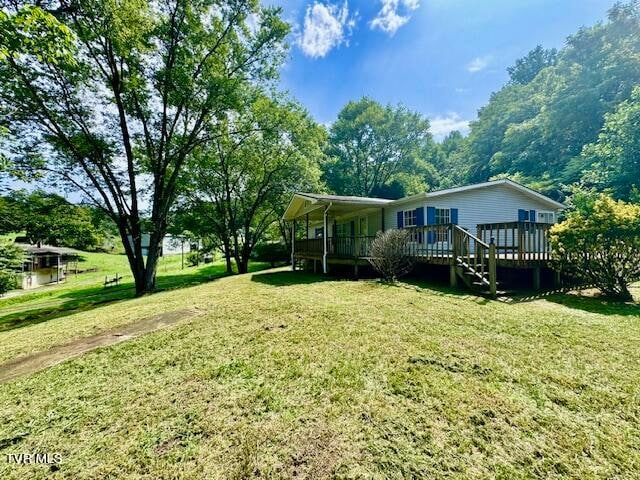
(599, 243)
(51, 219)
(527, 68)
(537, 125)
(390, 254)
(11, 259)
(261, 156)
(370, 146)
(114, 97)
(615, 157)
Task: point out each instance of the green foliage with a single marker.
(379, 151)
(165, 72)
(264, 152)
(7, 281)
(599, 243)
(527, 68)
(615, 157)
(272, 253)
(537, 124)
(11, 259)
(50, 219)
(194, 258)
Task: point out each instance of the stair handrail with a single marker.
(471, 236)
(480, 245)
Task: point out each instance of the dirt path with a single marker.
(41, 360)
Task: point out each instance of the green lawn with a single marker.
(86, 290)
(286, 375)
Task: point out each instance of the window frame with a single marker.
(442, 236)
(409, 215)
(546, 212)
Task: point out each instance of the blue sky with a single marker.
(442, 58)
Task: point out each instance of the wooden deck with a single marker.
(473, 258)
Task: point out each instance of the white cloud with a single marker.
(443, 126)
(479, 63)
(326, 26)
(393, 15)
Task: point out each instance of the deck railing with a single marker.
(518, 241)
(514, 241)
(346, 247)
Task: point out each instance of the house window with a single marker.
(410, 218)
(342, 230)
(319, 233)
(546, 217)
(443, 217)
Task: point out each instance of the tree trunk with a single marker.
(227, 256)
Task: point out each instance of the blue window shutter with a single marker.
(454, 216)
(400, 219)
(431, 220)
(431, 215)
(420, 216)
(523, 215)
(532, 216)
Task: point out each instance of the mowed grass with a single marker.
(288, 375)
(87, 290)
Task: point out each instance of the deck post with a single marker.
(536, 278)
(325, 266)
(293, 245)
(493, 287)
(453, 275)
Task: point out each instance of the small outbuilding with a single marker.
(45, 265)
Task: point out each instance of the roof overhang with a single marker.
(313, 205)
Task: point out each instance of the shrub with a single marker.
(599, 244)
(272, 252)
(389, 254)
(11, 258)
(7, 281)
(194, 258)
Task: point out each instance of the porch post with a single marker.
(325, 267)
(382, 223)
(293, 245)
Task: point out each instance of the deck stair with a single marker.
(474, 261)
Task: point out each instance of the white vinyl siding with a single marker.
(493, 204)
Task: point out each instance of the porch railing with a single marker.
(358, 246)
(515, 241)
(518, 241)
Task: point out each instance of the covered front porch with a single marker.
(333, 229)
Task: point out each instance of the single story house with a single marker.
(44, 265)
(456, 226)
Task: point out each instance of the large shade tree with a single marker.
(377, 150)
(113, 97)
(240, 186)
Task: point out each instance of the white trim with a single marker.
(548, 212)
